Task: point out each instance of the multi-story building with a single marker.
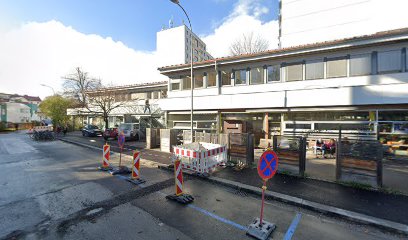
(173, 46)
(309, 21)
(132, 101)
(16, 108)
(359, 84)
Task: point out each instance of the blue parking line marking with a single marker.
(221, 219)
(292, 227)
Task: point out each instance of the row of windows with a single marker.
(344, 66)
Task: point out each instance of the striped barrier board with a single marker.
(105, 158)
(179, 196)
(202, 161)
(136, 165)
(135, 176)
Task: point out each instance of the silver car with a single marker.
(131, 131)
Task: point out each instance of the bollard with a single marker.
(105, 158)
(135, 176)
(179, 196)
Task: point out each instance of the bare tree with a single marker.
(77, 84)
(104, 100)
(249, 43)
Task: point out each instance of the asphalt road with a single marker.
(129, 146)
(52, 190)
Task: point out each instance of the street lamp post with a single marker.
(44, 85)
(191, 66)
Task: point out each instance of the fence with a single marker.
(292, 154)
(360, 162)
(241, 148)
(201, 157)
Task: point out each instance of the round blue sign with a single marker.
(121, 139)
(268, 165)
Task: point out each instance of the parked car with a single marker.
(91, 131)
(110, 133)
(131, 131)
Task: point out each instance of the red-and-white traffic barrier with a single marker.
(178, 175)
(106, 156)
(202, 161)
(179, 196)
(136, 165)
(135, 176)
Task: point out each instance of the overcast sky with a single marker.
(41, 41)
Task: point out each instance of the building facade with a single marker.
(358, 84)
(19, 108)
(137, 103)
(173, 46)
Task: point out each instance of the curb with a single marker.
(318, 207)
(314, 206)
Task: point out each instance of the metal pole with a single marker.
(263, 202)
(44, 85)
(191, 73)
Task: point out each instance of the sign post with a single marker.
(121, 169)
(121, 142)
(267, 167)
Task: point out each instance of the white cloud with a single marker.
(41, 53)
(244, 18)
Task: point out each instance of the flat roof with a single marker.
(379, 37)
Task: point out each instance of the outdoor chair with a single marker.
(317, 148)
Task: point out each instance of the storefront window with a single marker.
(298, 126)
(240, 76)
(327, 116)
(385, 127)
(186, 82)
(273, 73)
(336, 68)
(393, 116)
(198, 80)
(257, 75)
(294, 72)
(344, 126)
(226, 78)
(211, 79)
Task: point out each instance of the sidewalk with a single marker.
(388, 211)
(379, 205)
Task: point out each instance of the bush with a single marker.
(2, 126)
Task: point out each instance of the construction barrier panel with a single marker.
(136, 165)
(201, 157)
(106, 156)
(178, 175)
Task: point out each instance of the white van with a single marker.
(131, 131)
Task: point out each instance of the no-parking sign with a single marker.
(268, 165)
(121, 139)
